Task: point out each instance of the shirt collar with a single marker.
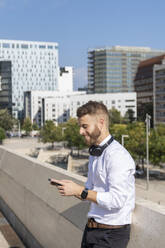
(105, 140)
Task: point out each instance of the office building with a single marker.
(5, 86)
(159, 93)
(113, 69)
(149, 85)
(34, 66)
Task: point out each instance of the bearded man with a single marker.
(110, 185)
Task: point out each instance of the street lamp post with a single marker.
(19, 129)
(122, 138)
(63, 128)
(147, 121)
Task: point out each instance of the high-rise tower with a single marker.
(113, 69)
(34, 66)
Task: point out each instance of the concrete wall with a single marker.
(45, 219)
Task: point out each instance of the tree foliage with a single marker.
(2, 135)
(72, 135)
(136, 143)
(50, 133)
(115, 116)
(129, 116)
(35, 126)
(157, 146)
(117, 130)
(6, 120)
(27, 125)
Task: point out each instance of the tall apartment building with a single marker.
(150, 88)
(113, 69)
(34, 66)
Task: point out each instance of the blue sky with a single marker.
(78, 25)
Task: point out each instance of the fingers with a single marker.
(66, 181)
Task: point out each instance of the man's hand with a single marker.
(68, 188)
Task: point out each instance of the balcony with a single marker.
(44, 219)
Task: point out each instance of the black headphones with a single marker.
(98, 150)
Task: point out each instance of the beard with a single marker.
(92, 138)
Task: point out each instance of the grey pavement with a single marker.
(8, 237)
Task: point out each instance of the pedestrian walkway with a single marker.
(8, 237)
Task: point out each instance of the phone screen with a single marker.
(54, 183)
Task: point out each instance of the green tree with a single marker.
(35, 126)
(2, 135)
(160, 129)
(72, 135)
(6, 120)
(146, 108)
(136, 143)
(117, 130)
(157, 147)
(115, 116)
(50, 133)
(129, 116)
(27, 125)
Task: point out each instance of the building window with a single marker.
(129, 100)
(24, 46)
(6, 45)
(42, 46)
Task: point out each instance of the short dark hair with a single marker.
(92, 108)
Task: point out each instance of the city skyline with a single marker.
(81, 25)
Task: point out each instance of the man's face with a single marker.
(89, 128)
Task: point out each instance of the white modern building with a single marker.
(58, 107)
(65, 79)
(34, 66)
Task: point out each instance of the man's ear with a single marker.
(101, 122)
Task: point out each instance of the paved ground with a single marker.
(8, 237)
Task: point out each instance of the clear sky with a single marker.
(78, 25)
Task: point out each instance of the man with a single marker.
(110, 184)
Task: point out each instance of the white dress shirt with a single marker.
(111, 175)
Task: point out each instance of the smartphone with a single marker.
(54, 183)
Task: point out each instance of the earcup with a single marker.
(98, 150)
(95, 150)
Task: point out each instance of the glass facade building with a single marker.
(34, 66)
(159, 93)
(5, 86)
(113, 69)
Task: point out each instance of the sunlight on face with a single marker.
(89, 128)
